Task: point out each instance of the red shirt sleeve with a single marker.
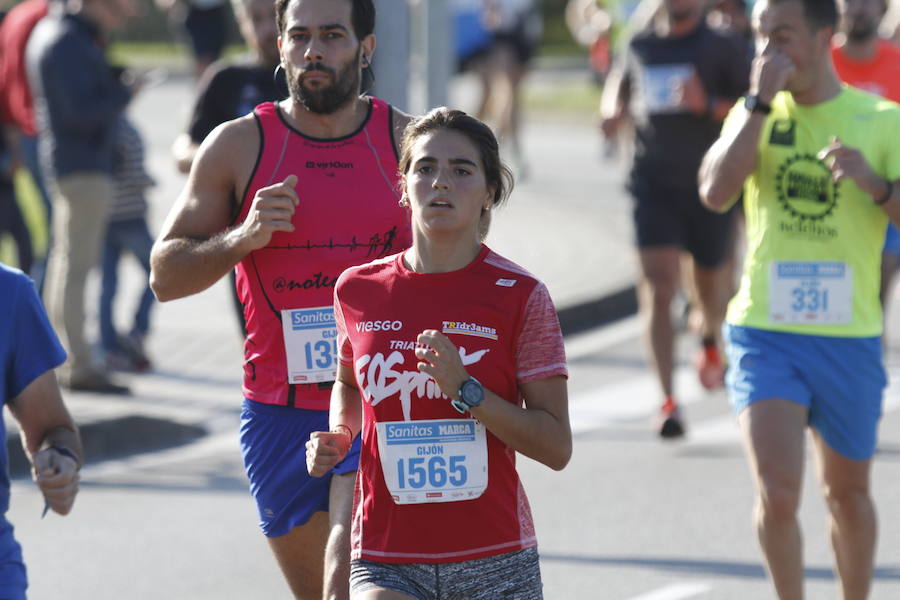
(540, 352)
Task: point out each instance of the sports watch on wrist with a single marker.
(66, 452)
(471, 394)
(754, 104)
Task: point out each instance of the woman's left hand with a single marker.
(440, 359)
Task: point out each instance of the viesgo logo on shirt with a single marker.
(385, 325)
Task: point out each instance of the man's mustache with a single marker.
(314, 68)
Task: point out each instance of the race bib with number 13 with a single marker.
(310, 344)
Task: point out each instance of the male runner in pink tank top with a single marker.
(290, 196)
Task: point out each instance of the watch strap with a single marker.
(460, 406)
(754, 104)
(66, 452)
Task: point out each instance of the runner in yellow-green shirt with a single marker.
(818, 164)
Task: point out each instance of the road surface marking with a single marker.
(629, 400)
(637, 397)
(582, 345)
(676, 591)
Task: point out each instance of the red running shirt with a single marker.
(16, 101)
(348, 214)
(879, 76)
(503, 321)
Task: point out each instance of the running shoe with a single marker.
(95, 381)
(117, 360)
(133, 345)
(128, 355)
(710, 369)
(670, 424)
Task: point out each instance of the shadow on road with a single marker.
(209, 482)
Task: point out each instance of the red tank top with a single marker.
(348, 215)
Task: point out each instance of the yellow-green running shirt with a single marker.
(814, 246)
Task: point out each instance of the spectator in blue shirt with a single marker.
(29, 351)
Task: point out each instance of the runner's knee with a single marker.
(849, 504)
(661, 291)
(778, 501)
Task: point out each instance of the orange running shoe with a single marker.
(670, 424)
(710, 369)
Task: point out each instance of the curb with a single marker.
(593, 313)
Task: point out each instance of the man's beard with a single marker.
(860, 31)
(343, 89)
(682, 13)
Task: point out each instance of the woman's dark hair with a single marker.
(497, 175)
(362, 16)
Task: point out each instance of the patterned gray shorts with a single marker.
(511, 576)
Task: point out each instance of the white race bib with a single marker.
(443, 460)
(310, 344)
(810, 293)
(662, 87)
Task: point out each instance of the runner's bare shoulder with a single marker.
(233, 146)
(220, 172)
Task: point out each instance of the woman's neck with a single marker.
(430, 256)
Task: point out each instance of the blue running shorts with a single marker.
(840, 380)
(892, 240)
(273, 444)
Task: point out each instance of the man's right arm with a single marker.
(729, 162)
(195, 247)
(615, 99)
(734, 155)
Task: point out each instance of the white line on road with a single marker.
(597, 340)
(638, 397)
(629, 400)
(676, 591)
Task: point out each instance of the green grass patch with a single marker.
(578, 98)
(7, 251)
(159, 54)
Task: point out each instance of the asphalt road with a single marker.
(631, 518)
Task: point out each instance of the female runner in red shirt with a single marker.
(451, 362)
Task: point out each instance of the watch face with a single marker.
(472, 393)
